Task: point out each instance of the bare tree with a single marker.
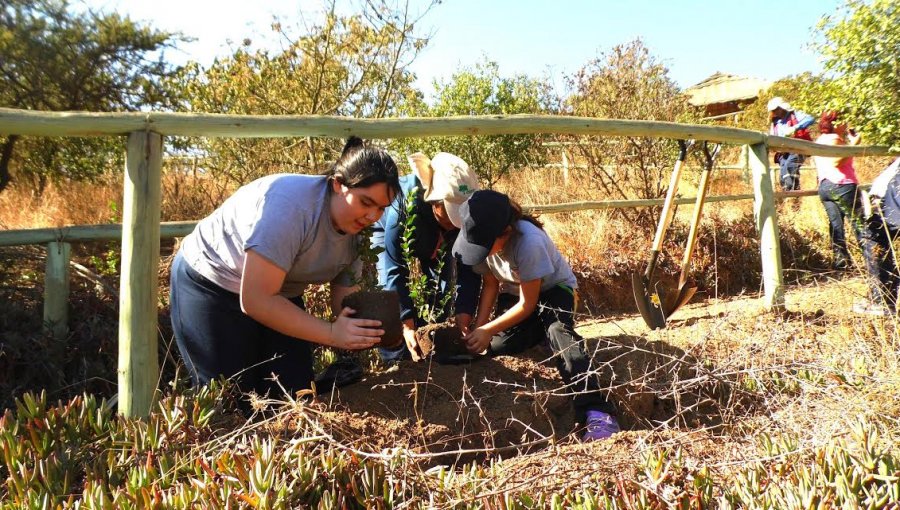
(628, 83)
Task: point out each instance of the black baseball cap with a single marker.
(485, 215)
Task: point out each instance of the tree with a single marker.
(628, 83)
(483, 91)
(862, 50)
(54, 58)
(343, 65)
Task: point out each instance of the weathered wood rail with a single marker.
(141, 229)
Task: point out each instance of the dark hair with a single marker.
(516, 214)
(360, 166)
(828, 120)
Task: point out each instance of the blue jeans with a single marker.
(790, 171)
(552, 321)
(888, 274)
(216, 338)
(844, 201)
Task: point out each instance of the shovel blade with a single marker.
(684, 295)
(648, 302)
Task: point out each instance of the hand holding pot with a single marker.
(354, 334)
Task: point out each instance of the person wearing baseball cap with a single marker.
(785, 121)
(529, 289)
(430, 203)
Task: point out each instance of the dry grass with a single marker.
(68, 204)
(186, 196)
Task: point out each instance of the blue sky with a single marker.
(543, 38)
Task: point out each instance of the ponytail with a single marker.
(828, 120)
(517, 214)
(360, 166)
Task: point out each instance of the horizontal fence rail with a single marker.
(172, 229)
(82, 233)
(27, 122)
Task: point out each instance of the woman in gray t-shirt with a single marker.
(238, 279)
(533, 288)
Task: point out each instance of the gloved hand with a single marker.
(789, 132)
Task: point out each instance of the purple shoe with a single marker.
(599, 426)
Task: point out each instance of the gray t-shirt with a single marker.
(284, 218)
(528, 255)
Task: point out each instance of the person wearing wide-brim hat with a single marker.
(437, 187)
(786, 121)
(533, 288)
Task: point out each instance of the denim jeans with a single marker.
(884, 235)
(844, 201)
(790, 171)
(552, 321)
(216, 338)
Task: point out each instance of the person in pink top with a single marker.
(838, 189)
(840, 194)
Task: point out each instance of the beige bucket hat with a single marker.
(445, 177)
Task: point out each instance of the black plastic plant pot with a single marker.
(379, 305)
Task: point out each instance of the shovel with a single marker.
(646, 297)
(687, 290)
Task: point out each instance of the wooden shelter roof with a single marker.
(722, 88)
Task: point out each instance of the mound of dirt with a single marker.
(503, 402)
(653, 383)
(514, 405)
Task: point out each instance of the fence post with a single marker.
(565, 166)
(138, 363)
(767, 227)
(56, 289)
(745, 162)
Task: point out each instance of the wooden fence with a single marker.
(565, 165)
(141, 229)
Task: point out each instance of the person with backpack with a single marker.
(529, 290)
(785, 121)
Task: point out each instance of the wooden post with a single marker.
(767, 227)
(745, 163)
(565, 167)
(56, 290)
(138, 363)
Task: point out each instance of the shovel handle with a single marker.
(668, 209)
(698, 211)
